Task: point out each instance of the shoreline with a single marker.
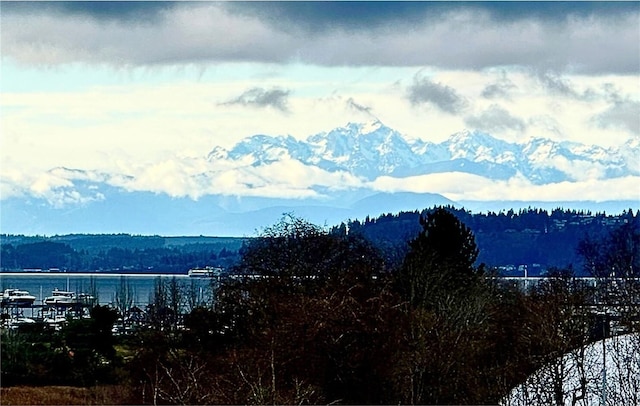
(85, 274)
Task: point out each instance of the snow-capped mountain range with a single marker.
(361, 169)
(372, 150)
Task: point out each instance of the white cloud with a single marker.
(47, 182)
(517, 80)
(96, 126)
(196, 177)
(464, 186)
(452, 183)
(159, 135)
(579, 170)
(56, 187)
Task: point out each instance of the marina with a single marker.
(104, 286)
(53, 298)
(14, 314)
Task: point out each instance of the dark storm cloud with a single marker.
(127, 11)
(321, 16)
(258, 97)
(574, 37)
(359, 15)
(504, 11)
(442, 96)
(495, 120)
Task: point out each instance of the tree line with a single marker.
(549, 239)
(47, 254)
(317, 316)
(524, 237)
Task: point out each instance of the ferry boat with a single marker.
(208, 271)
(17, 297)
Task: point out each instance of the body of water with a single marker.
(104, 286)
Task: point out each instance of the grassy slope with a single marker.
(64, 395)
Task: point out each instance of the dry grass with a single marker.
(65, 395)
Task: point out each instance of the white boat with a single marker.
(16, 322)
(60, 298)
(55, 320)
(205, 272)
(67, 298)
(85, 298)
(17, 297)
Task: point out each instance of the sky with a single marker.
(145, 89)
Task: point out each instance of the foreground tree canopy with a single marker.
(317, 316)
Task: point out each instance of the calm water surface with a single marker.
(107, 286)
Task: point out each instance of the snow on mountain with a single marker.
(367, 150)
(479, 147)
(346, 158)
(263, 149)
(352, 171)
(370, 150)
(630, 152)
(547, 161)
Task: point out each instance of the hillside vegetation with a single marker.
(117, 252)
(316, 317)
(539, 239)
(507, 240)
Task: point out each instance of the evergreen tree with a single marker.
(440, 260)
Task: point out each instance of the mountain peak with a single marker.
(363, 128)
(371, 126)
(370, 149)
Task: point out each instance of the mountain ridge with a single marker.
(371, 150)
(354, 171)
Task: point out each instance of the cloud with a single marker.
(114, 126)
(359, 107)
(64, 197)
(442, 96)
(500, 89)
(318, 16)
(131, 11)
(463, 186)
(579, 38)
(55, 186)
(196, 177)
(622, 111)
(258, 97)
(557, 84)
(622, 114)
(495, 120)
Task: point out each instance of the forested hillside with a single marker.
(118, 252)
(507, 240)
